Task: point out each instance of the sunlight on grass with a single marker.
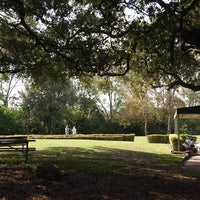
(140, 144)
(139, 150)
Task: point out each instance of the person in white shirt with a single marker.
(74, 130)
(66, 130)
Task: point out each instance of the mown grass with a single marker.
(138, 158)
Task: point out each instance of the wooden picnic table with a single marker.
(16, 143)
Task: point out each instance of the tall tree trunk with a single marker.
(146, 128)
(111, 104)
(50, 125)
(170, 110)
(145, 122)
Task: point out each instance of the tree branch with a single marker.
(184, 84)
(160, 2)
(21, 13)
(179, 82)
(111, 73)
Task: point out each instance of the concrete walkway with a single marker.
(192, 162)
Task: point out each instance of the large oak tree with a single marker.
(58, 37)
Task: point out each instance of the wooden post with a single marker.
(176, 127)
(27, 151)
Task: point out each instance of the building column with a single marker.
(176, 128)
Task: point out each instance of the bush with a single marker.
(173, 139)
(9, 121)
(158, 138)
(112, 137)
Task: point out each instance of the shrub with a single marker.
(112, 137)
(158, 138)
(173, 139)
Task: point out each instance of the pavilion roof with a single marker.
(188, 112)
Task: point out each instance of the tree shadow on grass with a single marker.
(97, 173)
(117, 160)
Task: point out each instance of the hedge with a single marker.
(113, 137)
(158, 138)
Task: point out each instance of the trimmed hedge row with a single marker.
(158, 138)
(112, 137)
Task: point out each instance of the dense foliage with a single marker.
(10, 121)
(132, 108)
(158, 38)
(149, 43)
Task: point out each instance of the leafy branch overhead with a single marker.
(156, 38)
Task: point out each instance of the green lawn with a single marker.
(98, 167)
(136, 158)
(140, 145)
(106, 156)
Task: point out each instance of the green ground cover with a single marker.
(100, 156)
(95, 169)
(140, 144)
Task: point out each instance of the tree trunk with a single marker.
(146, 128)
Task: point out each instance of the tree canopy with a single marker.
(157, 38)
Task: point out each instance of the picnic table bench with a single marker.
(16, 143)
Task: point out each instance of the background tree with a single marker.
(48, 105)
(10, 121)
(138, 105)
(109, 97)
(8, 83)
(99, 97)
(191, 98)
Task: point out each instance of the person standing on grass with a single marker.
(67, 130)
(74, 130)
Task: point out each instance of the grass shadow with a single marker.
(111, 160)
(97, 173)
